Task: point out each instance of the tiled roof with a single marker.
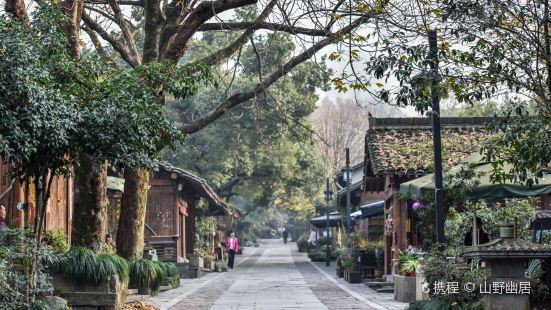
(404, 146)
(509, 247)
(203, 188)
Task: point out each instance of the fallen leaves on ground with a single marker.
(139, 306)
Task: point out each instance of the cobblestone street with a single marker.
(273, 276)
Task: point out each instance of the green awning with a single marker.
(335, 220)
(486, 189)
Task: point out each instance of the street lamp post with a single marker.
(347, 175)
(328, 197)
(435, 96)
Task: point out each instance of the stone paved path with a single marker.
(274, 276)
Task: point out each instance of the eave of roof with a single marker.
(218, 205)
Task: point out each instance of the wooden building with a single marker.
(59, 209)
(400, 149)
(174, 201)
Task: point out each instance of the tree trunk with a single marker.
(90, 204)
(130, 233)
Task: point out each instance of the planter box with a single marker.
(195, 262)
(352, 277)
(404, 288)
(109, 295)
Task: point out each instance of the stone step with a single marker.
(131, 291)
(135, 298)
(385, 290)
(376, 284)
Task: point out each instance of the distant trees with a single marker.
(343, 124)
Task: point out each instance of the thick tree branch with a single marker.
(17, 9)
(226, 52)
(238, 98)
(120, 2)
(99, 48)
(153, 23)
(198, 16)
(73, 10)
(261, 25)
(174, 12)
(126, 32)
(116, 44)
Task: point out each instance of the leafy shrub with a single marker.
(57, 239)
(220, 267)
(82, 265)
(316, 256)
(302, 244)
(169, 274)
(24, 280)
(439, 268)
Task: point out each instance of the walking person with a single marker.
(232, 246)
(285, 235)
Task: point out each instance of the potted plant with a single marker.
(405, 280)
(196, 259)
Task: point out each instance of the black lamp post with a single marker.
(348, 176)
(328, 197)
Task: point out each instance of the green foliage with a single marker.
(206, 226)
(302, 244)
(24, 278)
(260, 153)
(457, 183)
(57, 239)
(407, 263)
(498, 214)
(316, 256)
(443, 269)
(84, 266)
(145, 274)
(432, 304)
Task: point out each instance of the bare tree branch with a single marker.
(238, 98)
(126, 32)
(116, 44)
(226, 52)
(203, 12)
(120, 2)
(261, 25)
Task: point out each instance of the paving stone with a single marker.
(274, 276)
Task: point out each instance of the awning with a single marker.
(373, 209)
(486, 189)
(335, 220)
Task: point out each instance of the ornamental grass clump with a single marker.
(145, 274)
(82, 265)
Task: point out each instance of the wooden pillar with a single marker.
(400, 226)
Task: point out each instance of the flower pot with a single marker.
(404, 288)
(352, 277)
(196, 262)
(340, 272)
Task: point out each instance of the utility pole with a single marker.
(347, 175)
(437, 139)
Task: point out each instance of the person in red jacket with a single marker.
(232, 246)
